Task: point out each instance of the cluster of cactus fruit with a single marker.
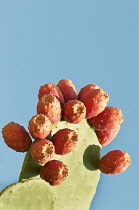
(61, 102)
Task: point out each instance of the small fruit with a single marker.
(109, 118)
(39, 126)
(54, 172)
(64, 141)
(68, 89)
(16, 137)
(50, 88)
(106, 136)
(74, 111)
(42, 151)
(86, 88)
(95, 101)
(49, 106)
(114, 162)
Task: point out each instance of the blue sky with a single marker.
(87, 42)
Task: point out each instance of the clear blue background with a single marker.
(88, 42)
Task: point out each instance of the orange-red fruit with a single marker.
(42, 151)
(86, 88)
(68, 89)
(106, 136)
(64, 141)
(95, 101)
(109, 118)
(114, 162)
(16, 137)
(74, 111)
(49, 106)
(50, 88)
(40, 126)
(54, 172)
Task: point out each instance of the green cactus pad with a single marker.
(79, 188)
(28, 195)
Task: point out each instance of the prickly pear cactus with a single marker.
(75, 193)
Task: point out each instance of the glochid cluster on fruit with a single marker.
(62, 102)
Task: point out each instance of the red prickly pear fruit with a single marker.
(16, 137)
(106, 136)
(114, 162)
(109, 118)
(49, 106)
(54, 172)
(74, 111)
(95, 101)
(42, 151)
(39, 126)
(86, 88)
(50, 88)
(68, 89)
(64, 141)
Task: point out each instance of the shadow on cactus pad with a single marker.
(91, 157)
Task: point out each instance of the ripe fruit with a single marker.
(39, 126)
(95, 101)
(86, 88)
(42, 151)
(106, 136)
(114, 162)
(54, 172)
(64, 141)
(74, 111)
(50, 88)
(109, 118)
(16, 137)
(49, 106)
(68, 89)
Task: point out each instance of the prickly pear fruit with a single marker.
(50, 88)
(106, 136)
(64, 141)
(39, 126)
(68, 89)
(114, 162)
(109, 118)
(95, 101)
(74, 111)
(86, 88)
(54, 172)
(42, 151)
(49, 106)
(16, 137)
